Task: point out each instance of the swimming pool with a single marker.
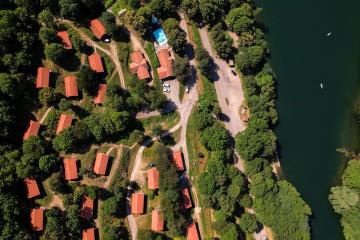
(160, 36)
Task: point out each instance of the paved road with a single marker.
(184, 108)
(228, 88)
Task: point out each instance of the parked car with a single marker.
(233, 72)
(187, 90)
(263, 237)
(165, 89)
(166, 85)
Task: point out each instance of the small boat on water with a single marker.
(321, 86)
(328, 34)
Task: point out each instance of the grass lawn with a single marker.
(40, 112)
(124, 50)
(194, 35)
(181, 91)
(197, 166)
(150, 154)
(87, 160)
(167, 121)
(47, 194)
(133, 152)
(119, 5)
(154, 62)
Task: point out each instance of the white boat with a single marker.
(321, 86)
(328, 34)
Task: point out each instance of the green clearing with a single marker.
(87, 160)
(124, 50)
(150, 153)
(133, 152)
(119, 5)
(166, 120)
(154, 62)
(181, 91)
(195, 35)
(47, 194)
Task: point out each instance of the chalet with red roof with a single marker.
(157, 221)
(65, 39)
(153, 178)
(32, 130)
(139, 65)
(87, 208)
(97, 28)
(101, 163)
(32, 188)
(43, 77)
(178, 160)
(137, 203)
(166, 68)
(37, 219)
(100, 97)
(96, 63)
(71, 89)
(192, 232)
(186, 198)
(64, 122)
(70, 168)
(88, 234)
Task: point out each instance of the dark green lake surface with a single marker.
(314, 121)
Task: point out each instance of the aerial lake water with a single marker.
(314, 42)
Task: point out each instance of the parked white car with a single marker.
(187, 90)
(166, 89)
(166, 85)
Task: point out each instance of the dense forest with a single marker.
(345, 198)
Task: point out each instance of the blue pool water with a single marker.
(160, 36)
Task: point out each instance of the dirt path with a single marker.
(56, 202)
(115, 57)
(112, 53)
(114, 166)
(45, 115)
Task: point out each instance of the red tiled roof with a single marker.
(192, 232)
(71, 89)
(32, 130)
(37, 219)
(64, 122)
(87, 208)
(153, 178)
(157, 221)
(32, 188)
(70, 168)
(101, 163)
(42, 78)
(65, 39)
(177, 157)
(100, 97)
(95, 63)
(139, 65)
(166, 69)
(186, 198)
(88, 234)
(137, 203)
(97, 28)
